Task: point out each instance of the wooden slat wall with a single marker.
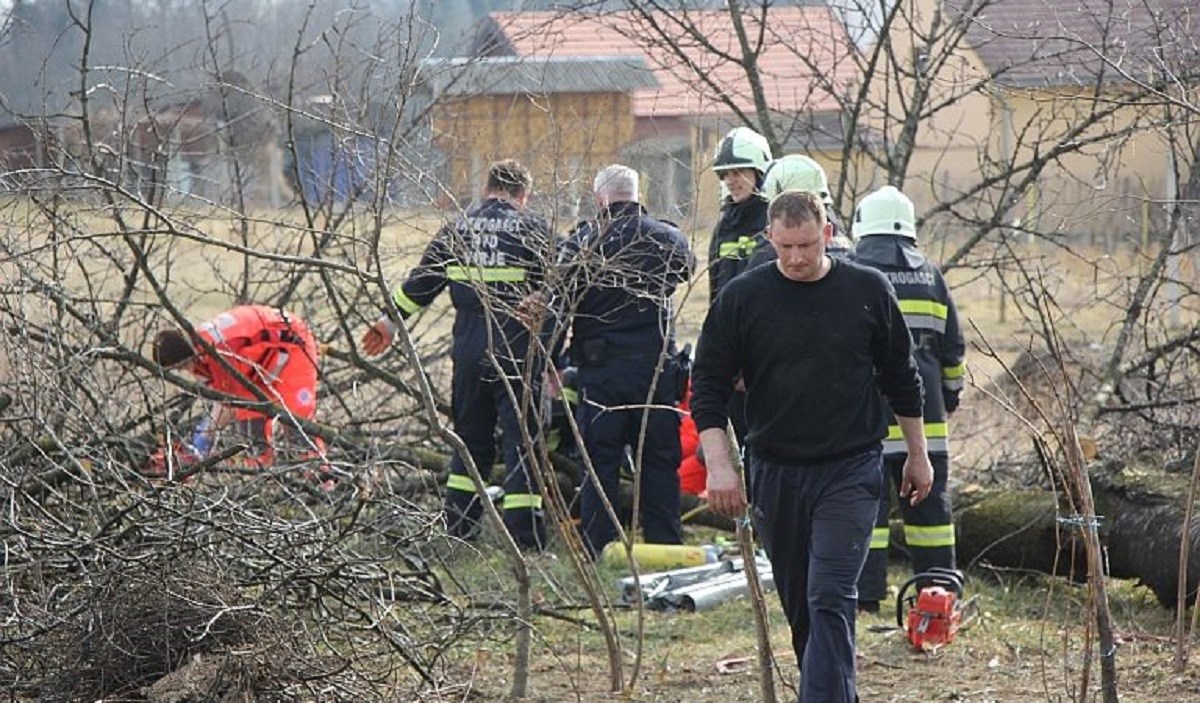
(563, 139)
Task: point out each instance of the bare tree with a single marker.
(153, 206)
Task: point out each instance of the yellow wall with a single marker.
(950, 140)
(563, 139)
(1111, 184)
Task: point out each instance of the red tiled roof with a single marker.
(1050, 42)
(807, 54)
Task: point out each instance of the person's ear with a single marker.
(828, 232)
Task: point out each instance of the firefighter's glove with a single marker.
(950, 398)
(378, 337)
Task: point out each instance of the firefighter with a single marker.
(267, 351)
(740, 163)
(620, 274)
(492, 259)
(800, 172)
(885, 233)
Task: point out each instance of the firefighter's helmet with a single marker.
(742, 147)
(796, 172)
(886, 211)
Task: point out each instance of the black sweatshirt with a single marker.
(815, 358)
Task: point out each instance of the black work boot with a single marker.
(462, 511)
(527, 527)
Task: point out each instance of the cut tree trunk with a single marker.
(1140, 510)
(1140, 517)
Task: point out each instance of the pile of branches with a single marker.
(140, 622)
(117, 585)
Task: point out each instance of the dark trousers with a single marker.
(815, 522)
(480, 401)
(607, 432)
(928, 527)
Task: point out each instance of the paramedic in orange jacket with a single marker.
(275, 352)
(693, 477)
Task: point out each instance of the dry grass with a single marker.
(1026, 644)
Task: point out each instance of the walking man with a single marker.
(819, 343)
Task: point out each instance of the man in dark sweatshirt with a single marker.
(820, 342)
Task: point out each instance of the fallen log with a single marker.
(1140, 513)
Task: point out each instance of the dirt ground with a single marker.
(1025, 644)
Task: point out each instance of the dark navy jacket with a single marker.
(929, 311)
(491, 258)
(736, 237)
(621, 272)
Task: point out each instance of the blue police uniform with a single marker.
(490, 258)
(939, 349)
(621, 273)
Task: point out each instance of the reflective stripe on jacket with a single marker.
(271, 348)
(939, 347)
(735, 239)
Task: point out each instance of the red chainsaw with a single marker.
(936, 612)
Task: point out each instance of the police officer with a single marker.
(620, 274)
(740, 162)
(800, 172)
(885, 231)
(491, 258)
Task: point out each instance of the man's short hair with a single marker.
(509, 176)
(792, 208)
(172, 348)
(617, 183)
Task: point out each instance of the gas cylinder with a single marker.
(662, 557)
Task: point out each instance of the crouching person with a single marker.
(250, 352)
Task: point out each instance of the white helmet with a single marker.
(886, 211)
(796, 172)
(742, 147)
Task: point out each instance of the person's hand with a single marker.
(531, 309)
(918, 478)
(725, 493)
(552, 383)
(377, 338)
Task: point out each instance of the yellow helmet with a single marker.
(796, 172)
